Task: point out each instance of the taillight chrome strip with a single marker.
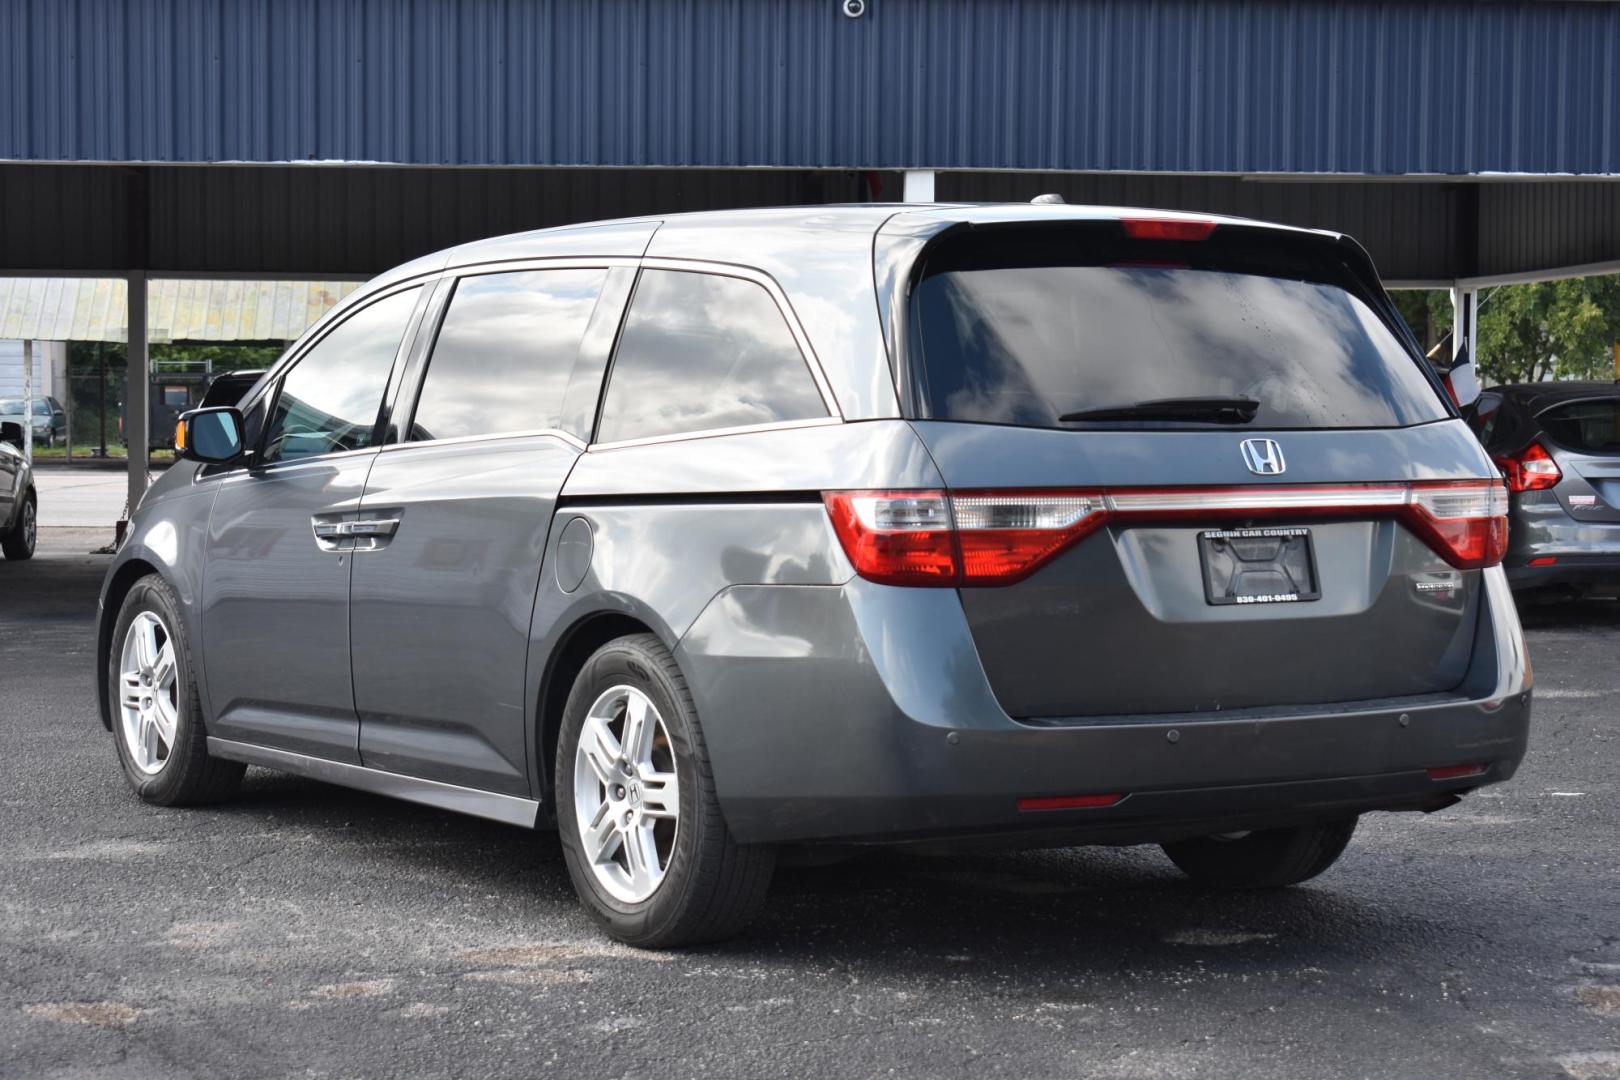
(1260, 500)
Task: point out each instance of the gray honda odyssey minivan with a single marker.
(702, 537)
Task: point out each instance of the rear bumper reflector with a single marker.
(1069, 802)
(1456, 772)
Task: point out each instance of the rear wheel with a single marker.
(157, 716)
(19, 542)
(1262, 860)
(646, 847)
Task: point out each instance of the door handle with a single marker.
(369, 527)
(336, 535)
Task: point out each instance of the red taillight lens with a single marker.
(1007, 536)
(1532, 469)
(965, 538)
(1464, 521)
(1167, 228)
(896, 537)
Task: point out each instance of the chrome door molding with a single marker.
(485, 804)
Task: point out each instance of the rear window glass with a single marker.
(1592, 425)
(1025, 330)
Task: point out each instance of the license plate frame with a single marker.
(1269, 565)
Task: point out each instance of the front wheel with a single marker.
(1269, 859)
(157, 715)
(647, 849)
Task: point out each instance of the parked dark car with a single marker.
(1558, 445)
(701, 537)
(47, 416)
(172, 394)
(19, 502)
(228, 388)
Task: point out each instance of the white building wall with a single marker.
(50, 369)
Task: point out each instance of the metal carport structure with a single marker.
(1463, 143)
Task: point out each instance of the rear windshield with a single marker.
(1592, 426)
(1023, 330)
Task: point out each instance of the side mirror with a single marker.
(212, 436)
(12, 433)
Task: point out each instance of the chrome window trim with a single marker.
(566, 436)
(561, 262)
(716, 433)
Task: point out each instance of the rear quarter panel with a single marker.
(674, 525)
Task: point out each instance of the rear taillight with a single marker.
(1464, 521)
(1532, 469)
(968, 538)
(896, 537)
(1001, 537)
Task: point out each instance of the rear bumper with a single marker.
(861, 713)
(1570, 569)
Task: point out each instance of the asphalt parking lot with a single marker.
(309, 931)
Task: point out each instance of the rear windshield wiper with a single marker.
(1218, 410)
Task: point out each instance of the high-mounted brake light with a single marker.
(967, 538)
(1532, 469)
(1167, 228)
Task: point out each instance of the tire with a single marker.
(708, 886)
(181, 772)
(1262, 860)
(18, 543)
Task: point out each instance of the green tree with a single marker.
(1529, 333)
(1550, 330)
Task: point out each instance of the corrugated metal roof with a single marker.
(94, 309)
(1208, 86)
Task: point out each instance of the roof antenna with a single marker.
(1049, 197)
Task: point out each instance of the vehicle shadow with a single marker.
(1591, 614)
(1042, 915)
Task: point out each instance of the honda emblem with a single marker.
(1263, 457)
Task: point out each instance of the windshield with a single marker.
(1105, 332)
(11, 405)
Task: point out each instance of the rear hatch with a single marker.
(1260, 481)
(1584, 438)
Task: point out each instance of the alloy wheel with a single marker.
(626, 794)
(149, 701)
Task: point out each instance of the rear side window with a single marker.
(505, 353)
(330, 399)
(700, 352)
(1025, 330)
(1591, 426)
